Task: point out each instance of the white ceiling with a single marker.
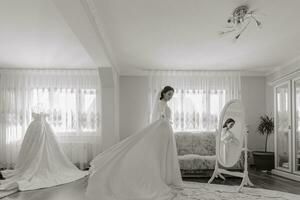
(183, 34)
(149, 34)
(34, 34)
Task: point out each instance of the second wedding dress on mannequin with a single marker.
(144, 166)
(41, 162)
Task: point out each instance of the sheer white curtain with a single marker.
(199, 96)
(70, 97)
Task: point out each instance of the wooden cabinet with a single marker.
(287, 128)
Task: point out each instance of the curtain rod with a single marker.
(15, 68)
(190, 71)
(187, 70)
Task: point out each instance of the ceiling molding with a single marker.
(289, 63)
(92, 12)
(146, 72)
(247, 71)
(284, 77)
(47, 68)
(284, 70)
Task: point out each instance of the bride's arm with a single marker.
(224, 135)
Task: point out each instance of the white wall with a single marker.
(254, 99)
(134, 109)
(134, 103)
(109, 106)
(269, 99)
(116, 78)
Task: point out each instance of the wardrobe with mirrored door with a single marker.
(287, 128)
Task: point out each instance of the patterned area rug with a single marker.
(204, 191)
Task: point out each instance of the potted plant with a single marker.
(264, 160)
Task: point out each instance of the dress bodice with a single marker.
(38, 116)
(164, 110)
(228, 137)
(168, 112)
(161, 111)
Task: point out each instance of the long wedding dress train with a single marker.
(141, 167)
(41, 162)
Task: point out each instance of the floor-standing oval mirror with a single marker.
(232, 123)
(231, 141)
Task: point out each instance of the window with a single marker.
(71, 98)
(196, 110)
(69, 110)
(199, 96)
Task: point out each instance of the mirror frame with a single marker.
(221, 120)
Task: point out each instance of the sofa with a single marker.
(197, 154)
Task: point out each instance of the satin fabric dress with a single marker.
(144, 166)
(41, 162)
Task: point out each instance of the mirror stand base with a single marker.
(245, 182)
(232, 114)
(244, 175)
(216, 174)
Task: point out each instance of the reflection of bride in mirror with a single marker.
(228, 139)
(227, 136)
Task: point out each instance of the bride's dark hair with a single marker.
(165, 90)
(229, 120)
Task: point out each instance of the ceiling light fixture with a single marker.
(239, 20)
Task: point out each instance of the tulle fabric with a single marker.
(142, 167)
(41, 162)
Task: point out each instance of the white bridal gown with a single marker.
(141, 167)
(41, 162)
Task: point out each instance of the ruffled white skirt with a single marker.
(141, 167)
(41, 162)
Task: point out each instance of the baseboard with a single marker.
(203, 173)
(287, 175)
(196, 173)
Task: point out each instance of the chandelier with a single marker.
(239, 21)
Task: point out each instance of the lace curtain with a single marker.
(71, 98)
(199, 96)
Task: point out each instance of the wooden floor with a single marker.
(260, 180)
(75, 190)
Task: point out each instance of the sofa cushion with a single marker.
(195, 162)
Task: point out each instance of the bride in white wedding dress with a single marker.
(41, 162)
(144, 166)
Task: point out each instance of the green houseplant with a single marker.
(264, 160)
